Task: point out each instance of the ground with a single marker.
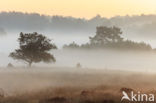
(71, 85)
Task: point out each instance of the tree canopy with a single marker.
(110, 37)
(33, 48)
(106, 34)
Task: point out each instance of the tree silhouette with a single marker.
(34, 48)
(71, 45)
(106, 35)
(110, 37)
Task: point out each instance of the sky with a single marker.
(81, 8)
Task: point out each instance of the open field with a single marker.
(70, 85)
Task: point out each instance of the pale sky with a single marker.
(81, 8)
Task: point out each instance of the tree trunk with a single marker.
(30, 63)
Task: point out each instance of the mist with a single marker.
(136, 27)
(102, 71)
(98, 59)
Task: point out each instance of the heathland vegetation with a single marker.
(73, 85)
(110, 38)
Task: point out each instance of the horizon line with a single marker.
(41, 14)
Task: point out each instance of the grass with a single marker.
(71, 85)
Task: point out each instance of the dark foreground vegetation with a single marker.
(74, 86)
(101, 94)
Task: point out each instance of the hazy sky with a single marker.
(81, 8)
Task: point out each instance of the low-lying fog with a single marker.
(97, 66)
(99, 59)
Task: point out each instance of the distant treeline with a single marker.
(109, 38)
(143, 25)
